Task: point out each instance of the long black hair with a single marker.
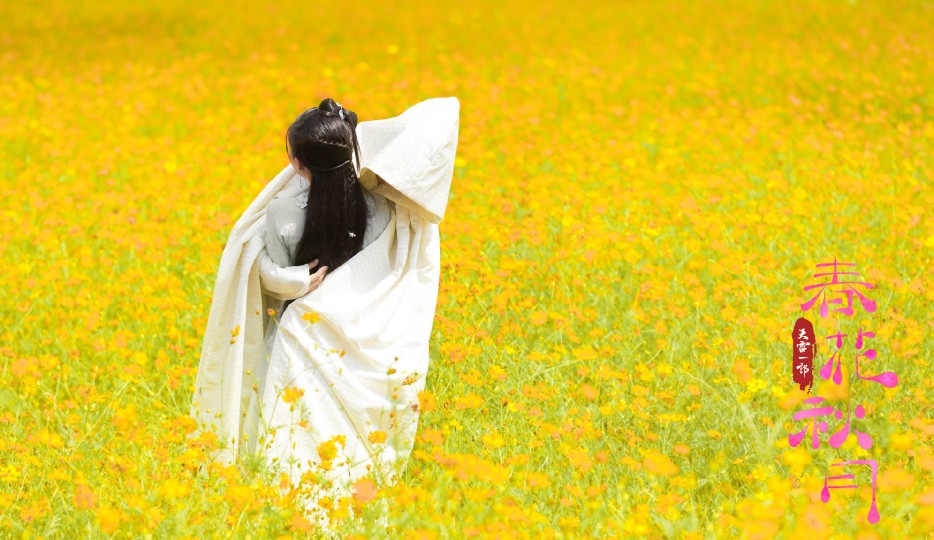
(324, 139)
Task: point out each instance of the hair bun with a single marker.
(329, 107)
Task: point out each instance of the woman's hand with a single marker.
(316, 277)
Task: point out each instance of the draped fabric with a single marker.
(349, 358)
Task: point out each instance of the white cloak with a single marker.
(367, 356)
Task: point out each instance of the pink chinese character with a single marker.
(868, 305)
(794, 439)
(838, 438)
(863, 439)
(887, 379)
(873, 515)
(837, 374)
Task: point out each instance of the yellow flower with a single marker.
(292, 393)
(173, 489)
(364, 490)
(660, 464)
(579, 458)
(756, 384)
(328, 449)
(9, 473)
(108, 519)
(494, 440)
(469, 400)
(47, 438)
(84, 497)
(589, 391)
(538, 480)
(426, 401)
(238, 495)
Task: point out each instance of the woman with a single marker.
(325, 389)
(313, 226)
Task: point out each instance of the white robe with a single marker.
(366, 358)
(285, 220)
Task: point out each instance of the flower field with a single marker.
(641, 194)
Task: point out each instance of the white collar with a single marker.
(299, 188)
(299, 183)
(296, 188)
